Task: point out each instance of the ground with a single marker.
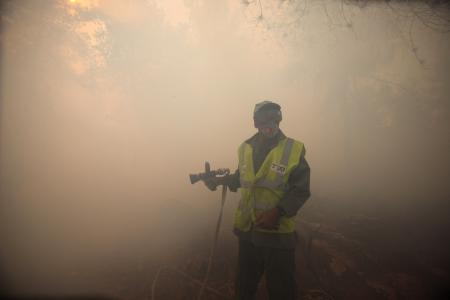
(341, 254)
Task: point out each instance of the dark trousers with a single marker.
(278, 266)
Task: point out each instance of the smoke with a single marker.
(106, 107)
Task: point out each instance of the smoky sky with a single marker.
(107, 106)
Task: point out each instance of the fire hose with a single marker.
(203, 285)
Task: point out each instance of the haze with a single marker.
(107, 106)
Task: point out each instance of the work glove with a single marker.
(268, 219)
(212, 182)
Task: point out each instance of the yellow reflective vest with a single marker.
(263, 190)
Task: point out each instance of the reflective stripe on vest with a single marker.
(278, 182)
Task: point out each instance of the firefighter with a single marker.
(273, 178)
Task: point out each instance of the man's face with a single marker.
(268, 129)
(267, 122)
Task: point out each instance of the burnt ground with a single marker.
(341, 254)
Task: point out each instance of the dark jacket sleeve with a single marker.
(232, 181)
(298, 188)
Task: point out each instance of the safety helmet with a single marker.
(267, 111)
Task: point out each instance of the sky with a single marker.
(107, 107)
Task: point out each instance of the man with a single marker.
(273, 177)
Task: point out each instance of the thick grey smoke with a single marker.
(106, 107)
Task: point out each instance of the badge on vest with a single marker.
(280, 169)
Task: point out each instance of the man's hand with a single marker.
(268, 219)
(213, 182)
